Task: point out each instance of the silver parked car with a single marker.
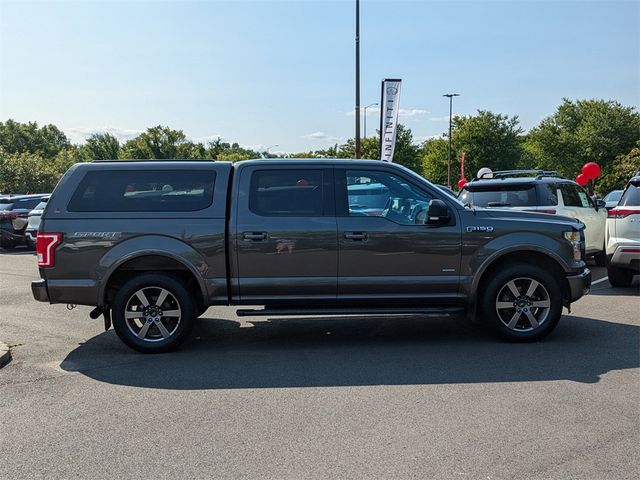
(34, 222)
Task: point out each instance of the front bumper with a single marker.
(579, 285)
(39, 290)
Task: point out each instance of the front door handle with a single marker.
(355, 235)
(254, 236)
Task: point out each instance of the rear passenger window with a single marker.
(286, 193)
(144, 191)
(574, 196)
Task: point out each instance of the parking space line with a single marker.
(599, 281)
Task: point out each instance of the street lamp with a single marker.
(266, 150)
(450, 96)
(365, 118)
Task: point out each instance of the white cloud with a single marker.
(206, 139)
(402, 112)
(424, 138)
(316, 135)
(80, 134)
(440, 119)
(324, 137)
(411, 112)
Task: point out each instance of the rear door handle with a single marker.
(355, 235)
(254, 236)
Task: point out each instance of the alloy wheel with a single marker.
(523, 304)
(152, 314)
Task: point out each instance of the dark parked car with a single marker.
(153, 244)
(14, 211)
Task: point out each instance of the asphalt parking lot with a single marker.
(319, 398)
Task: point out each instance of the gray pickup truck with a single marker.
(152, 244)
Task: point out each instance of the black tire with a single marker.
(529, 316)
(156, 331)
(619, 277)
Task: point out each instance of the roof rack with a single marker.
(517, 173)
(155, 160)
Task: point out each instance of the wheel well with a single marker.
(530, 257)
(152, 264)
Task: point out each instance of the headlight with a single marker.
(573, 237)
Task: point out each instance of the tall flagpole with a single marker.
(357, 78)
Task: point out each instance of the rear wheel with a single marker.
(619, 277)
(523, 303)
(153, 313)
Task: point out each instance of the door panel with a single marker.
(285, 235)
(383, 255)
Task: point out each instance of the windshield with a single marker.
(631, 197)
(613, 196)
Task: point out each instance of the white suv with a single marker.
(623, 237)
(544, 192)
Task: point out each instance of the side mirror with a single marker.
(600, 204)
(438, 212)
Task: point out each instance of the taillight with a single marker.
(46, 244)
(621, 212)
(542, 211)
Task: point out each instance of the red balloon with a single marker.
(582, 180)
(591, 170)
(462, 182)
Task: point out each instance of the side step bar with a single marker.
(278, 312)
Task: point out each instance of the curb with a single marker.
(5, 354)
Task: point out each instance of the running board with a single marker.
(348, 311)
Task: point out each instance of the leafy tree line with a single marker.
(33, 158)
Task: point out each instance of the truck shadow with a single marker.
(322, 352)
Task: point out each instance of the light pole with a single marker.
(365, 118)
(268, 148)
(450, 95)
(357, 79)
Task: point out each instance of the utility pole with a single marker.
(357, 78)
(450, 96)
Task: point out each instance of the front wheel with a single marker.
(153, 313)
(523, 303)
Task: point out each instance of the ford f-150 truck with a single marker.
(153, 244)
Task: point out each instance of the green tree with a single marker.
(158, 143)
(487, 139)
(622, 169)
(434, 160)
(583, 131)
(103, 146)
(27, 173)
(46, 141)
(405, 153)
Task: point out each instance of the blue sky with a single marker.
(282, 72)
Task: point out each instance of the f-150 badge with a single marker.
(480, 228)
